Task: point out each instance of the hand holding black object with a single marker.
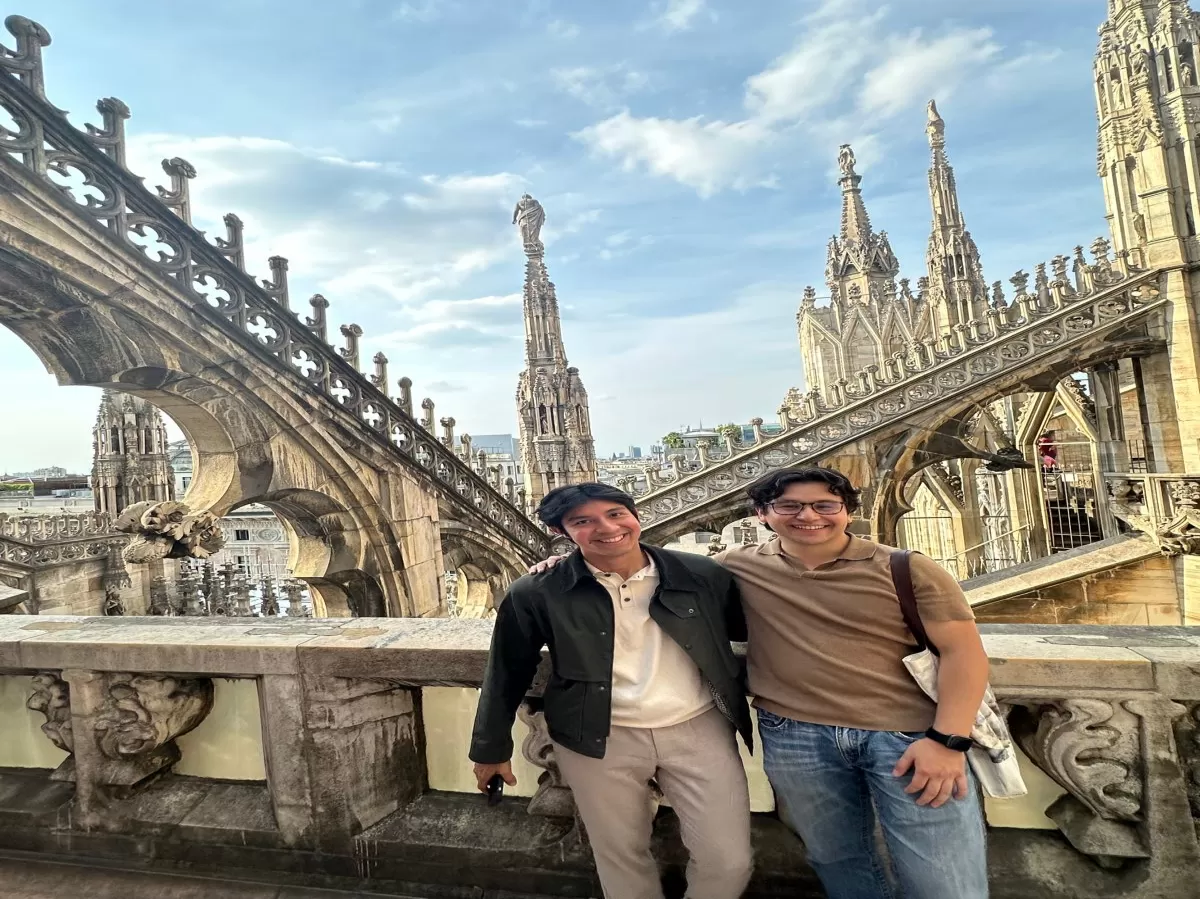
(495, 790)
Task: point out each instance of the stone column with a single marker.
(363, 750)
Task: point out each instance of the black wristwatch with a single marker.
(958, 744)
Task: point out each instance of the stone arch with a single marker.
(482, 569)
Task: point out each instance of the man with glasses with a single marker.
(848, 737)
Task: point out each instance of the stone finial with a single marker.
(447, 424)
(1020, 283)
(936, 127)
(380, 377)
(427, 417)
(316, 322)
(349, 352)
(277, 286)
(110, 139)
(481, 459)
(465, 448)
(809, 300)
(26, 63)
(232, 246)
(998, 301)
(404, 400)
(176, 197)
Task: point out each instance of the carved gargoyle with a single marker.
(168, 530)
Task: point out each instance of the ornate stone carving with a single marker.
(168, 530)
(141, 718)
(52, 697)
(1090, 748)
(553, 798)
(1180, 534)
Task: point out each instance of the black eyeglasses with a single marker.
(821, 507)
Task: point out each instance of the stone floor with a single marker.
(26, 878)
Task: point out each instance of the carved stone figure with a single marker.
(846, 161)
(529, 216)
(553, 798)
(141, 718)
(168, 530)
(51, 696)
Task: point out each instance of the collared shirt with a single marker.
(826, 645)
(654, 682)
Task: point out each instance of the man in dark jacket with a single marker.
(644, 685)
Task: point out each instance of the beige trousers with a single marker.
(698, 768)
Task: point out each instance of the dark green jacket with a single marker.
(566, 609)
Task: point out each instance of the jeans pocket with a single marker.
(908, 736)
(770, 721)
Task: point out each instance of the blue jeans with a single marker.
(830, 782)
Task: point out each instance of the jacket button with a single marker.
(604, 633)
(687, 645)
(602, 688)
(691, 611)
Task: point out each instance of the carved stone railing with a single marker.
(88, 168)
(1164, 506)
(1107, 716)
(1036, 329)
(41, 541)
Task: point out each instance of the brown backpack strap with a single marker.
(901, 564)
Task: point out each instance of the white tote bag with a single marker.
(993, 758)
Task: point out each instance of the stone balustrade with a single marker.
(334, 751)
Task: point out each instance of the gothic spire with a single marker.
(557, 448)
(958, 292)
(856, 224)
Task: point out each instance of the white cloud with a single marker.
(680, 14)
(600, 87)
(827, 89)
(914, 68)
(418, 10)
(704, 155)
(566, 31)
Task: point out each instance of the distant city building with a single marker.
(53, 471)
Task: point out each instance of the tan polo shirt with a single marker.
(655, 683)
(826, 645)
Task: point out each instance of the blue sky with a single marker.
(684, 151)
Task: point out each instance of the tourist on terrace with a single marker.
(644, 685)
(848, 737)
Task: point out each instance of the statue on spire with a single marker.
(936, 129)
(846, 161)
(529, 216)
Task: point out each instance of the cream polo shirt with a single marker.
(654, 682)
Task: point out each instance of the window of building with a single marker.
(240, 534)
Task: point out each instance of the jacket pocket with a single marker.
(563, 703)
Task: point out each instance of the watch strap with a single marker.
(950, 741)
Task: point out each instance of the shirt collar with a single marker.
(651, 570)
(856, 550)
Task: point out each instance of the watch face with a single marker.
(960, 744)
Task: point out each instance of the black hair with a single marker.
(770, 487)
(556, 504)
